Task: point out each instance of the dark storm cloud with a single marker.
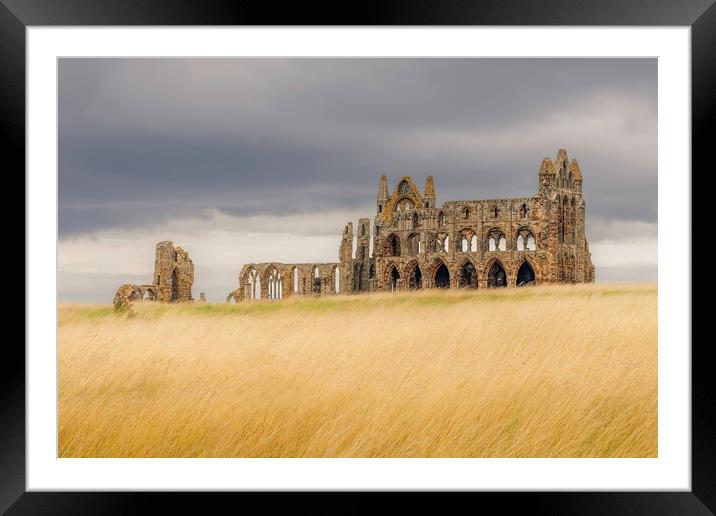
(144, 140)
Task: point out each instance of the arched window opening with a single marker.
(468, 276)
(371, 272)
(496, 240)
(295, 279)
(416, 220)
(336, 280)
(496, 277)
(531, 244)
(275, 285)
(464, 244)
(525, 275)
(393, 245)
(466, 213)
(523, 211)
(473, 244)
(495, 211)
(253, 286)
(316, 280)
(446, 244)
(442, 277)
(441, 218)
(415, 278)
(520, 243)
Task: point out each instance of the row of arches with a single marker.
(467, 276)
(495, 241)
(464, 212)
(275, 282)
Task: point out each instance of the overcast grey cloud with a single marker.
(153, 146)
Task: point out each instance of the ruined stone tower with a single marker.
(173, 273)
(172, 280)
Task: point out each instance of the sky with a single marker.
(253, 159)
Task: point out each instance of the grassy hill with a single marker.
(553, 371)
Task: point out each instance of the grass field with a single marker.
(559, 371)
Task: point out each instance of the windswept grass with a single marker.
(566, 371)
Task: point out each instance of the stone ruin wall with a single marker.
(418, 244)
(172, 280)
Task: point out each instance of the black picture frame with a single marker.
(16, 15)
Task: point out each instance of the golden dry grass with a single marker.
(561, 371)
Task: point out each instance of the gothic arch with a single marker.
(150, 294)
(442, 243)
(413, 275)
(525, 273)
(392, 277)
(495, 273)
(467, 275)
(316, 280)
(274, 283)
(251, 284)
(468, 240)
(495, 240)
(440, 274)
(525, 239)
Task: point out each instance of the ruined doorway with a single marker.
(525, 276)
(415, 278)
(442, 277)
(393, 277)
(497, 276)
(468, 276)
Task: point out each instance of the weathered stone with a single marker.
(173, 273)
(466, 244)
(173, 279)
(125, 295)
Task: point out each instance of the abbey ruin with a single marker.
(172, 279)
(415, 243)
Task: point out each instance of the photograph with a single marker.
(357, 257)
